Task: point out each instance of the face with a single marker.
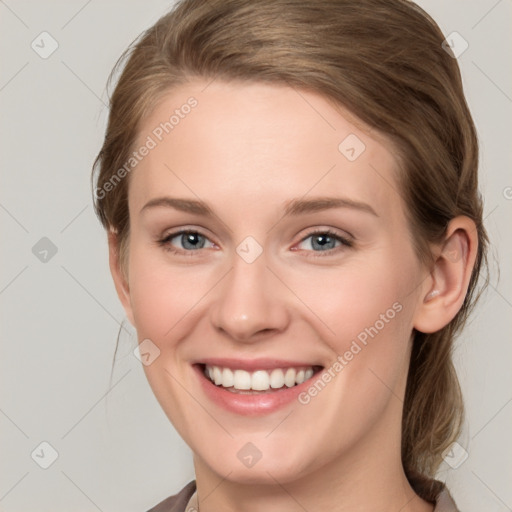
(269, 252)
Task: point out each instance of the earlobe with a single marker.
(120, 281)
(449, 278)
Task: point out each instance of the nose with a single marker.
(250, 303)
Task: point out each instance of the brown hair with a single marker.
(383, 61)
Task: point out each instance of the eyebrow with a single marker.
(184, 205)
(292, 207)
(301, 206)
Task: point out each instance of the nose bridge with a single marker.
(247, 302)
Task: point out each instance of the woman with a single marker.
(295, 230)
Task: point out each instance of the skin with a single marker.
(246, 150)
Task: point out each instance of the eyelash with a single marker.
(345, 242)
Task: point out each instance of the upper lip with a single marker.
(254, 364)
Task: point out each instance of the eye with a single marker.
(324, 241)
(185, 241)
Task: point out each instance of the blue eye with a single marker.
(324, 241)
(185, 241)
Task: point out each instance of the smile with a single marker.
(260, 380)
(254, 387)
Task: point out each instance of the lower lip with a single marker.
(250, 404)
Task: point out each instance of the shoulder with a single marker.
(433, 491)
(444, 502)
(177, 502)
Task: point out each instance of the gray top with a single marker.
(186, 501)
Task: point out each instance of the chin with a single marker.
(266, 471)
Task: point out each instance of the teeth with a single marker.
(217, 375)
(259, 380)
(289, 377)
(241, 379)
(228, 378)
(277, 379)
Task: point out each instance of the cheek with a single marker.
(167, 303)
(358, 300)
(163, 296)
(365, 316)
(364, 313)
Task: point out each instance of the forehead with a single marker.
(252, 142)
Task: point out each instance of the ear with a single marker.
(120, 281)
(444, 291)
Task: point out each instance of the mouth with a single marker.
(255, 387)
(270, 380)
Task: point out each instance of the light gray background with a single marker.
(60, 318)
